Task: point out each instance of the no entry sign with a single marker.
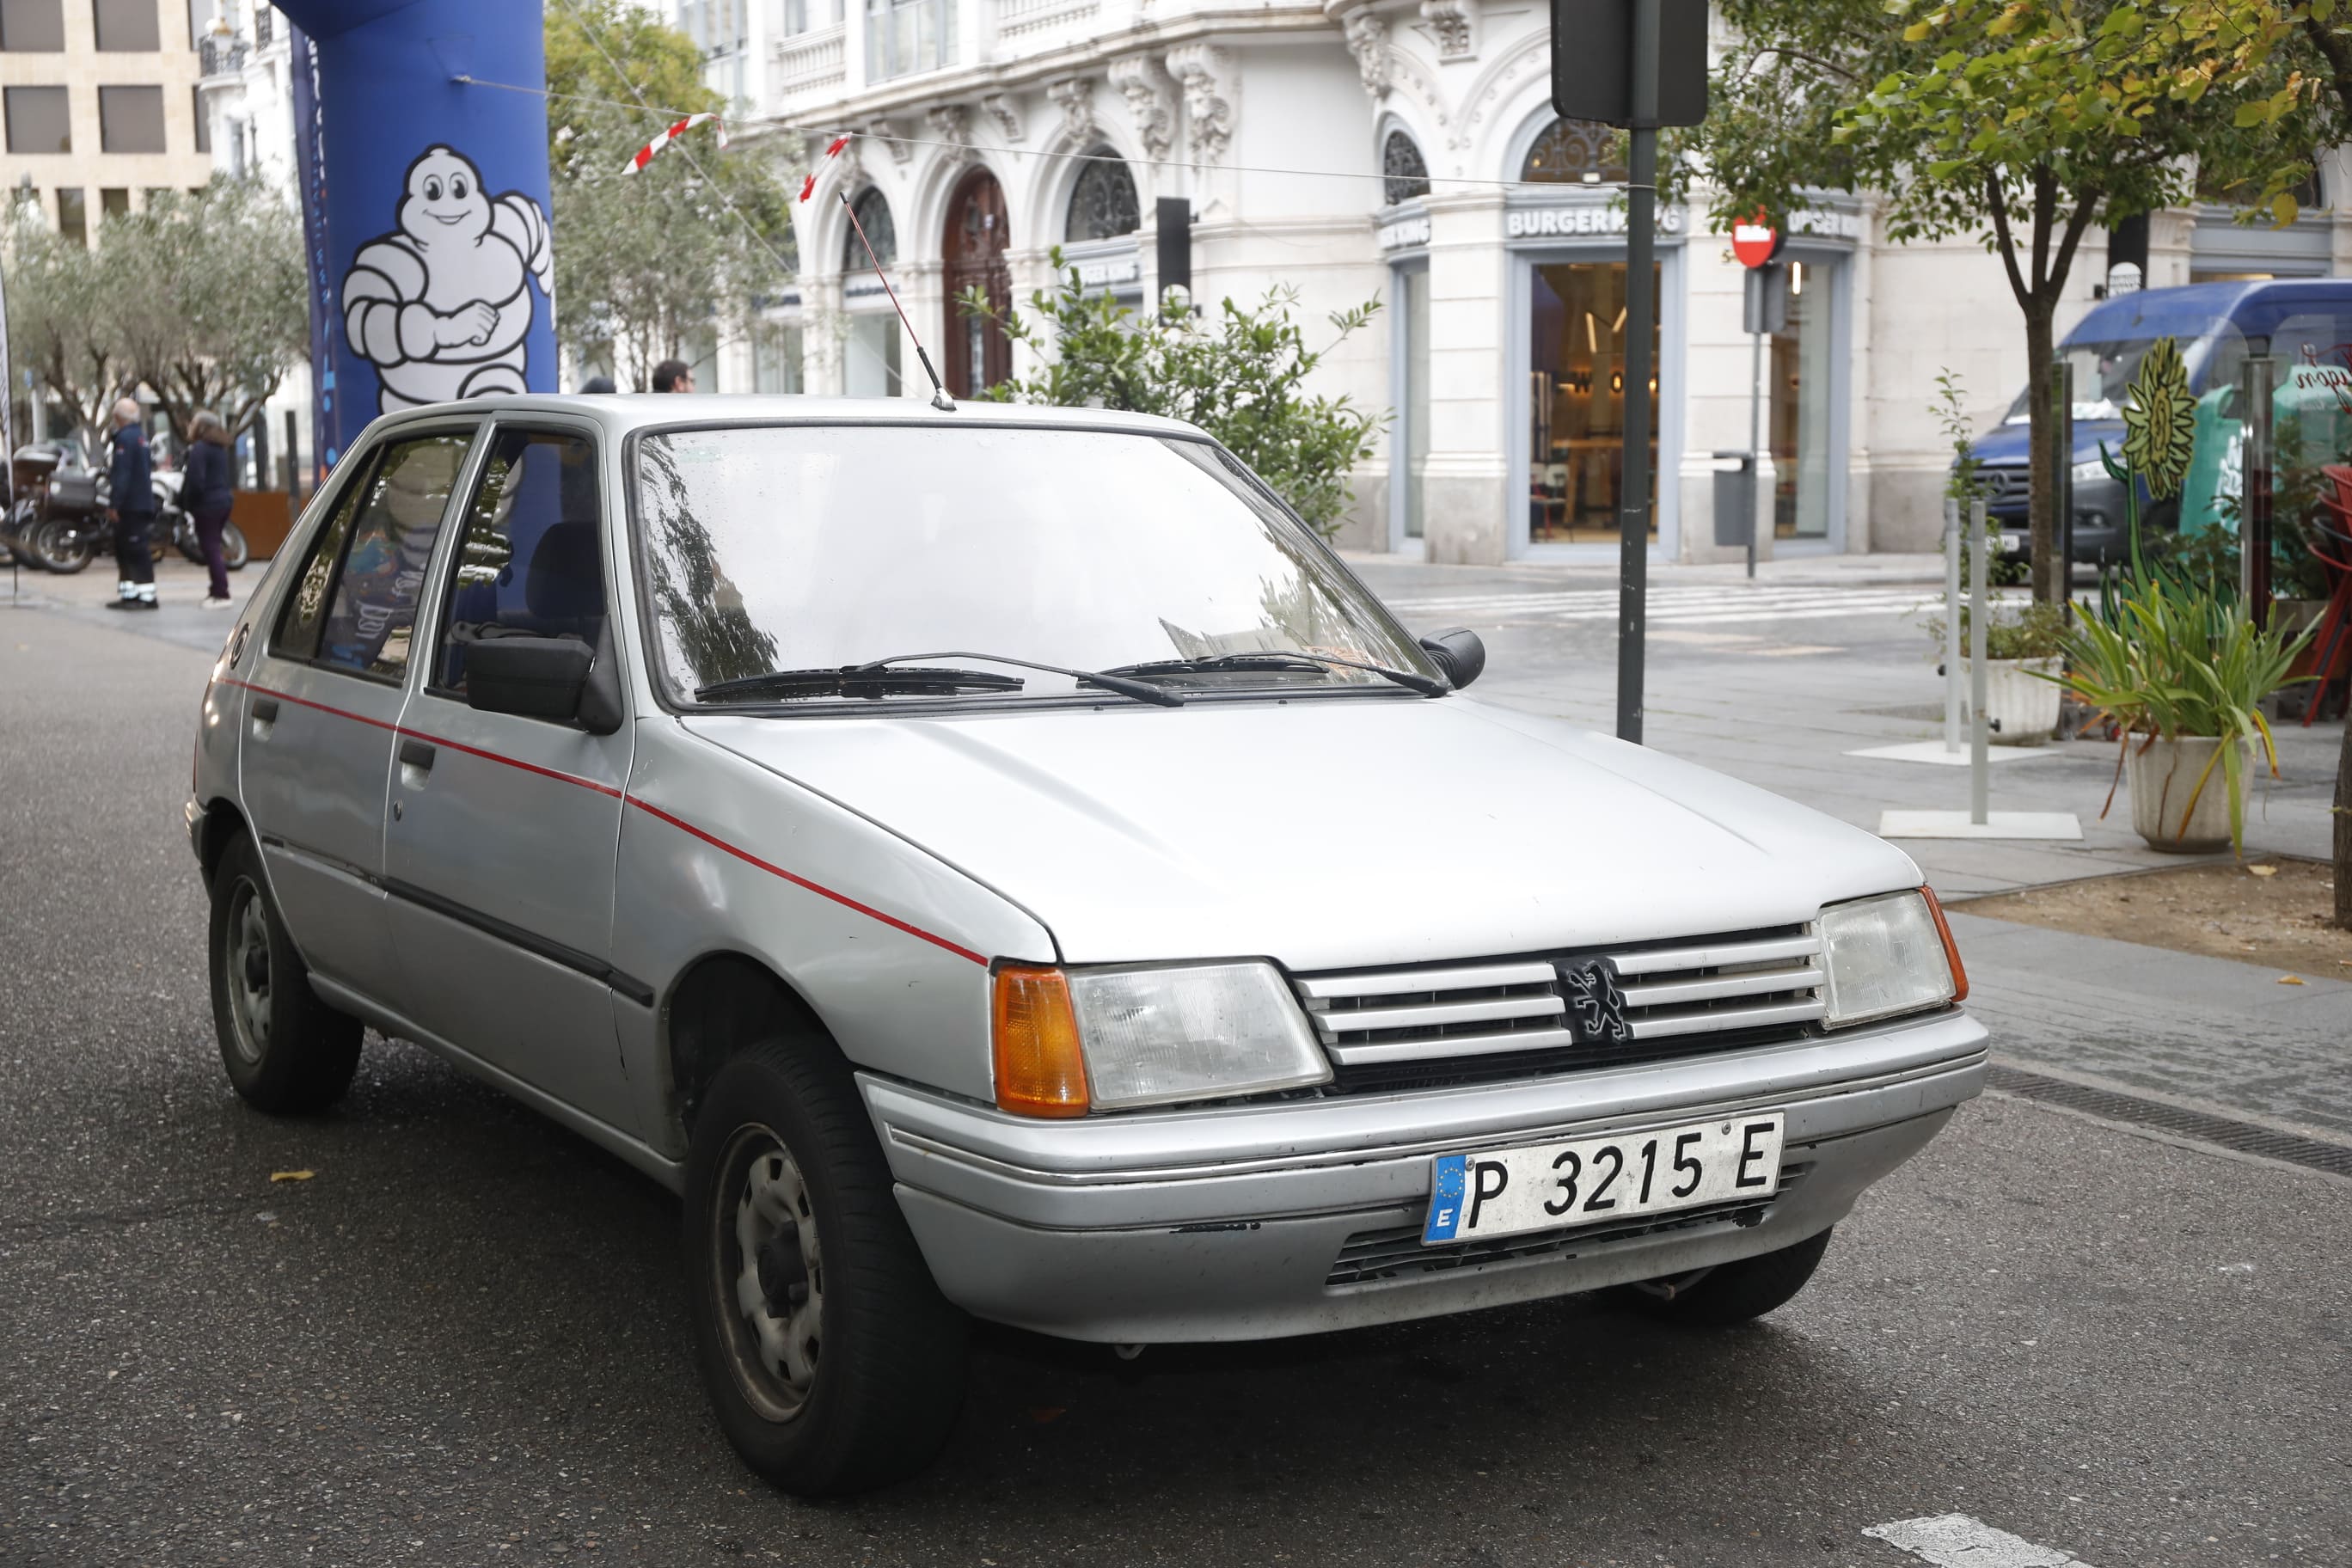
(1754, 239)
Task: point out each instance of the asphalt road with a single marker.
(462, 1339)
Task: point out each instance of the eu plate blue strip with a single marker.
(1445, 1199)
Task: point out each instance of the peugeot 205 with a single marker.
(1002, 865)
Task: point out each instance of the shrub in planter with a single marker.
(2181, 670)
(2021, 647)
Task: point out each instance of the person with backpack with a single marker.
(207, 491)
(131, 505)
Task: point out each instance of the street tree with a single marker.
(206, 297)
(690, 244)
(2025, 121)
(57, 333)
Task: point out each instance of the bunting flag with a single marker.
(808, 186)
(646, 153)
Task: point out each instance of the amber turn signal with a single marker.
(1040, 1070)
(1951, 949)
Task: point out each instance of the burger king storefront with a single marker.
(1539, 412)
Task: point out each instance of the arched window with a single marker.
(1103, 204)
(1403, 176)
(1574, 152)
(873, 210)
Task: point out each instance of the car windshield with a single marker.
(2103, 372)
(807, 547)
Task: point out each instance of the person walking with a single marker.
(131, 479)
(207, 491)
(673, 375)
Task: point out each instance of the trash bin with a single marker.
(1735, 500)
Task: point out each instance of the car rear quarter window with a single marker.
(355, 607)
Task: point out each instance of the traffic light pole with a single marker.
(1640, 313)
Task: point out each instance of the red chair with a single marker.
(2331, 546)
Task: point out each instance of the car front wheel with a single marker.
(831, 1361)
(1728, 1293)
(286, 1051)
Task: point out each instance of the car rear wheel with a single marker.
(831, 1361)
(1728, 1293)
(286, 1051)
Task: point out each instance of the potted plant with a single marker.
(2173, 659)
(2022, 648)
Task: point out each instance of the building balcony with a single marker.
(218, 57)
(812, 63)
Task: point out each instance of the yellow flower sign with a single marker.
(2160, 421)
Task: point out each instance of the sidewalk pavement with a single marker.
(1823, 571)
(2178, 1027)
(179, 586)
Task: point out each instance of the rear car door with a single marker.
(315, 748)
(498, 856)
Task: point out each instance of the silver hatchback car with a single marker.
(999, 863)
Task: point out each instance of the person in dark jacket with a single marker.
(207, 491)
(131, 505)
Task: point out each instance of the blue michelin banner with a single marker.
(425, 205)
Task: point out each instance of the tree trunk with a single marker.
(2344, 829)
(2051, 578)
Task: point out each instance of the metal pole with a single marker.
(2254, 492)
(1952, 624)
(2063, 392)
(1979, 617)
(1755, 436)
(1640, 313)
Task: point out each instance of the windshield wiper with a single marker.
(1142, 691)
(1284, 660)
(855, 680)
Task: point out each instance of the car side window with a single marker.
(532, 561)
(306, 607)
(396, 518)
(2321, 337)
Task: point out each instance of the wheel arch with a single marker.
(222, 822)
(720, 1002)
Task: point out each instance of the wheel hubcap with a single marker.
(771, 1270)
(247, 973)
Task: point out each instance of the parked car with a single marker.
(964, 855)
(2298, 321)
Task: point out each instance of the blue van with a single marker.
(2301, 323)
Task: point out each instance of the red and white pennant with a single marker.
(644, 155)
(808, 186)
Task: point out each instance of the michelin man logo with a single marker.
(441, 305)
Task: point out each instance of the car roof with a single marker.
(624, 412)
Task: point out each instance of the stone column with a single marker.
(1467, 488)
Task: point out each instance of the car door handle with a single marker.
(265, 708)
(416, 754)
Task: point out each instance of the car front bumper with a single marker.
(1291, 1217)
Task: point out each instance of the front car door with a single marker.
(316, 743)
(499, 855)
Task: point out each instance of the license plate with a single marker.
(1591, 1181)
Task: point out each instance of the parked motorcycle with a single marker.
(62, 526)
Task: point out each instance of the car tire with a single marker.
(831, 1361)
(1731, 1293)
(287, 1052)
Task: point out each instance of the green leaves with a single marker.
(1241, 375)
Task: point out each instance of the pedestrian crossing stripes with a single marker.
(1671, 605)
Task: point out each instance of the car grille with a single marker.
(1373, 1256)
(1436, 1024)
(2006, 488)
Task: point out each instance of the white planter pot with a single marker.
(2161, 779)
(2024, 705)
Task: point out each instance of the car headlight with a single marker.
(1068, 1041)
(1889, 954)
(2090, 473)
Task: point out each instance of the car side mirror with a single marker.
(560, 678)
(1458, 654)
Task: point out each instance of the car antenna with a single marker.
(940, 398)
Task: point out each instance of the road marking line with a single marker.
(1956, 1541)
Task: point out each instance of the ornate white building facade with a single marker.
(1398, 150)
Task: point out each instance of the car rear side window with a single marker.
(369, 568)
(531, 563)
